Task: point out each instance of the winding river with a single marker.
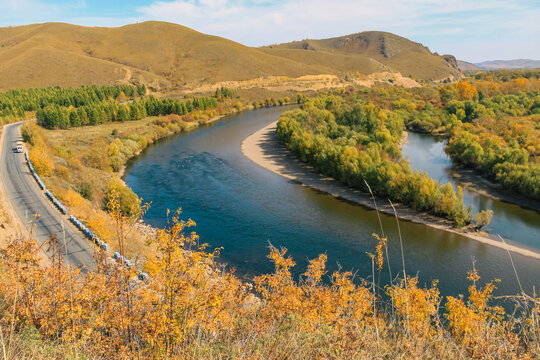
(521, 226)
(243, 208)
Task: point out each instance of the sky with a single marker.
(471, 30)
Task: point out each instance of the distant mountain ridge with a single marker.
(170, 56)
(499, 64)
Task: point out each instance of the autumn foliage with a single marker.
(466, 91)
(357, 142)
(189, 307)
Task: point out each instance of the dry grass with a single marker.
(78, 140)
(71, 151)
(369, 52)
(28, 344)
(7, 223)
(159, 54)
(331, 62)
(168, 56)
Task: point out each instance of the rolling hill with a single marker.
(467, 66)
(373, 50)
(165, 56)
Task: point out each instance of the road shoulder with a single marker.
(10, 224)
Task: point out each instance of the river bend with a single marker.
(243, 208)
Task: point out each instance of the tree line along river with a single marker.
(243, 208)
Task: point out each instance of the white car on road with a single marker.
(19, 147)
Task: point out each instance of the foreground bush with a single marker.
(189, 308)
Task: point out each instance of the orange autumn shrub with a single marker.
(189, 308)
(476, 323)
(41, 160)
(466, 90)
(72, 198)
(341, 303)
(418, 308)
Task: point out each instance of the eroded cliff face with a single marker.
(451, 60)
(310, 82)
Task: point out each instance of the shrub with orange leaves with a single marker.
(188, 308)
(342, 303)
(72, 198)
(189, 294)
(418, 308)
(379, 250)
(41, 160)
(522, 84)
(473, 322)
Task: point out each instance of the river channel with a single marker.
(517, 225)
(243, 208)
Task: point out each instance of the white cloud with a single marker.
(266, 22)
(247, 21)
(466, 28)
(257, 24)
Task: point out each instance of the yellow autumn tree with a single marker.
(466, 90)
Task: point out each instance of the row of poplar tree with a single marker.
(63, 108)
(55, 116)
(14, 103)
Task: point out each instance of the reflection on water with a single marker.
(244, 208)
(512, 222)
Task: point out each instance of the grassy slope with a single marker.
(467, 66)
(385, 50)
(56, 54)
(152, 52)
(330, 62)
(165, 55)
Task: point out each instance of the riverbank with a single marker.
(473, 181)
(264, 148)
(189, 127)
(94, 157)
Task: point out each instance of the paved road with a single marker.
(27, 199)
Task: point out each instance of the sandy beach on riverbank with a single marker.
(264, 148)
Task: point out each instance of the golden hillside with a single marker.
(166, 56)
(373, 50)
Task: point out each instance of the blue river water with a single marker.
(244, 208)
(518, 225)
